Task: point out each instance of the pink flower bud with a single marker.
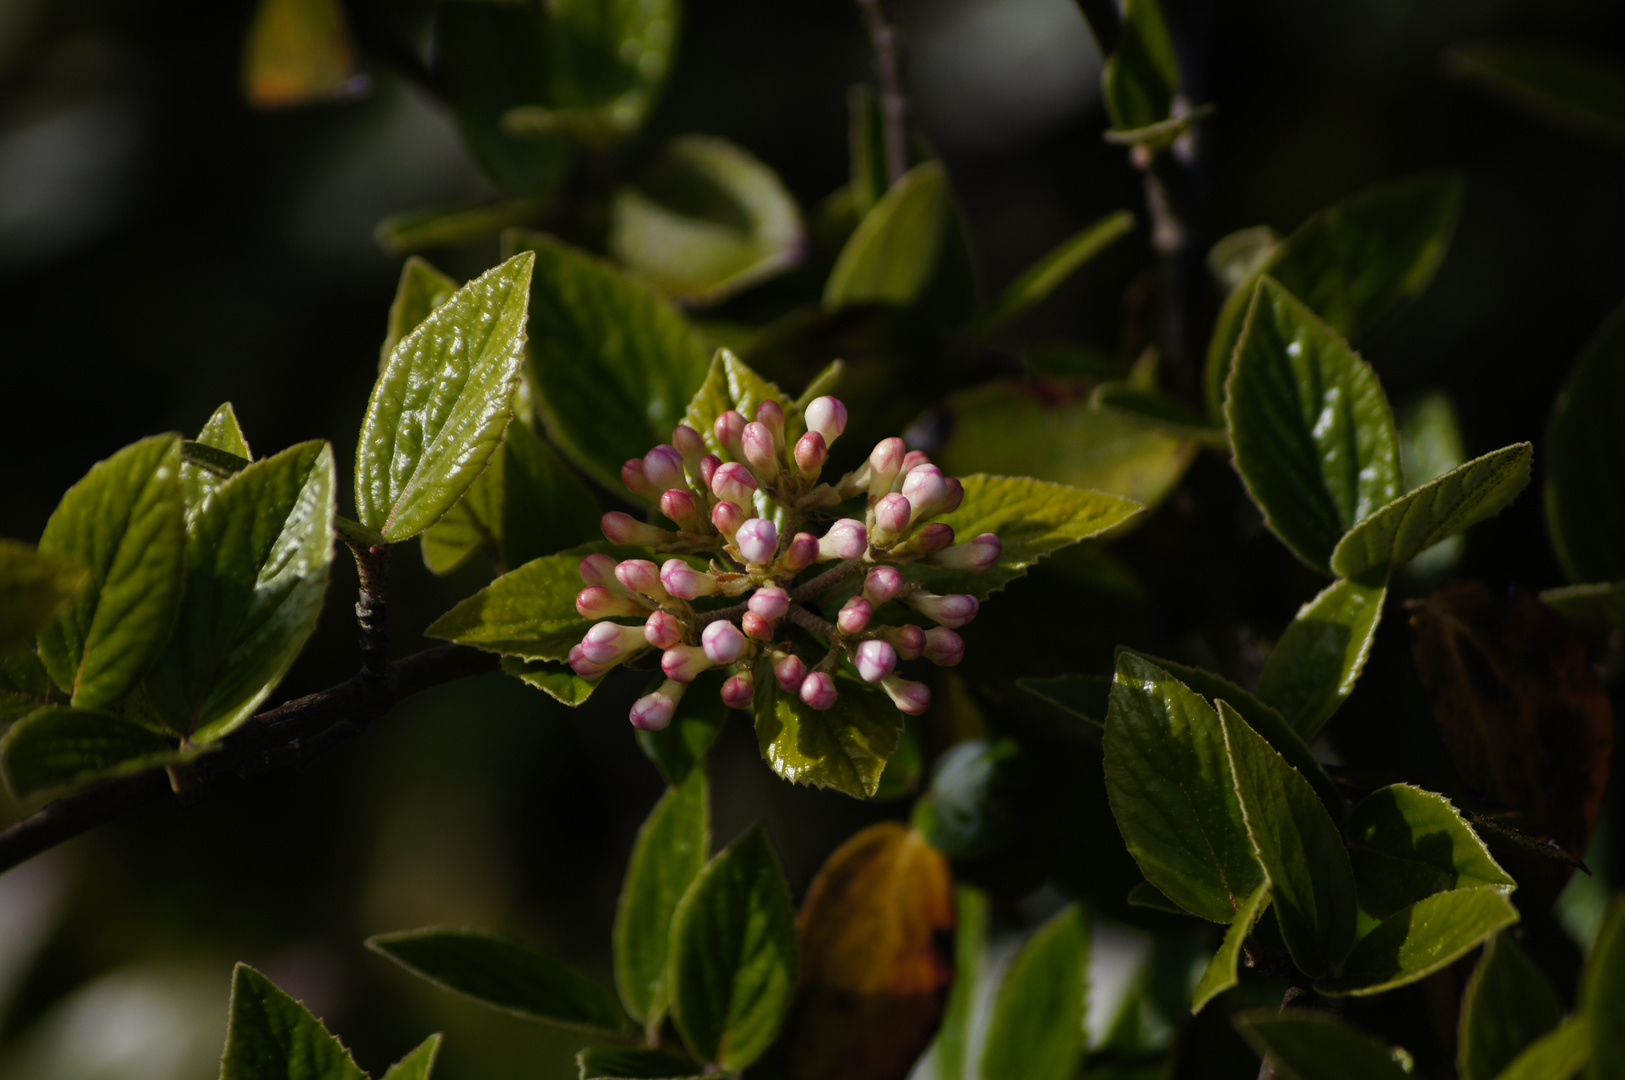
(953, 610)
(790, 670)
(854, 615)
(685, 582)
(926, 490)
(730, 431)
(664, 467)
(882, 583)
(636, 481)
(642, 576)
(908, 640)
(771, 414)
(733, 483)
(933, 537)
(757, 541)
(597, 602)
(723, 642)
(846, 539)
(770, 602)
(622, 528)
(885, 461)
(709, 464)
(755, 626)
(955, 496)
(653, 712)
(679, 506)
(910, 697)
(827, 416)
(582, 666)
(689, 444)
(913, 460)
(663, 630)
(760, 450)
(875, 659)
(818, 690)
(609, 643)
(810, 453)
(682, 663)
(739, 691)
(977, 554)
(727, 517)
(802, 552)
(943, 646)
(892, 515)
(600, 570)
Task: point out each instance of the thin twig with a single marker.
(808, 621)
(808, 590)
(889, 73)
(372, 607)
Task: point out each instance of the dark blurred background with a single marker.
(164, 248)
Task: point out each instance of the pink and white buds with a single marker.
(770, 602)
(818, 690)
(755, 626)
(943, 646)
(642, 576)
(600, 570)
(757, 541)
(977, 554)
(933, 537)
(636, 481)
(913, 460)
(802, 552)
(680, 507)
(664, 467)
(709, 464)
(689, 444)
(723, 642)
(597, 602)
(622, 528)
(663, 630)
(653, 712)
(770, 414)
(683, 663)
(582, 666)
(854, 616)
(955, 496)
(909, 697)
(685, 582)
(953, 610)
(810, 453)
(827, 416)
(875, 659)
(882, 583)
(926, 490)
(739, 691)
(908, 640)
(727, 517)
(846, 539)
(790, 670)
(608, 643)
(892, 514)
(734, 483)
(885, 462)
(730, 432)
(761, 451)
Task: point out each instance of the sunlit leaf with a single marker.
(1037, 1028)
(1406, 844)
(1566, 85)
(417, 1065)
(1416, 941)
(893, 254)
(629, 1063)
(1317, 1046)
(299, 51)
(1220, 973)
(1585, 470)
(60, 747)
(421, 289)
(844, 747)
(952, 1046)
(223, 433)
(667, 856)
(33, 588)
(729, 384)
(274, 1037)
(555, 680)
(1507, 1005)
(529, 612)
(1321, 653)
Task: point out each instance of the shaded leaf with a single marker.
(1037, 1028)
(1083, 696)
(1317, 1046)
(1566, 85)
(1039, 280)
(1602, 994)
(1416, 941)
(1148, 896)
(223, 433)
(1406, 844)
(893, 254)
(545, 506)
(443, 226)
(274, 1037)
(968, 810)
(34, 586)
(611, 58)
(667, 856)
(682, 744)
(1220, 973)
(1588, 607)
(418, 1064)
(421, 289)
(1237, 258)
(555, 680)
(1507, 1005)
(1141, 76)
(1585, 472)
(1321, 653)
(626, 1063)
(58, 747)
(844, 747)
(24, 686)
(951, 1049)
(298, 52)
(1559, 1054)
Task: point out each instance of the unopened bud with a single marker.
(854, 615)
(679, 506)
(733, 483)
(727, 517)
(943, 646)
(730, 431)
(818, 690)
(810, 453)
(709, 464)
(642, 576)
(909, 697)
(653, 712)
(739, 691)
(770, 414)
(846, 539)
(582, 666)
(791, 671)
(913, 460)
(892, 514)
(636, 481)
(756, 626)
(663, 630)
(685, 582)
(885, 461)
(882, 583)
(875, 659)
(761, 451)
(770, 602)
(955, 496)
(597, 602)
(977, 554)
(953, 610)
(598, 569)
(926, 490)
(723, 642)
(927, 538)
(608, 643)
(757, 541)
(908, 640)
(802, 552)
(622, 528)
(664, 467)
(827, 416)
(684, 662)
(690, 445)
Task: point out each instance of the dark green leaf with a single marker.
(1416, 941)
(1036, 1031)
(1602, 994)
(1039, 280)
(1173, 794)
(504, 976)
(1566, 85)
(555, 680)
(418, 1064)
(1559, 1054)
(893, 254)
(1585, 473)
(952, 1046)
(222, 433)
(1158, 409)
(422, 288)
(529, 612)
(624, 1063)
(668, 855)
(441, 226)
(682, 744)
(1148, 896)
(33, 588)
(1317, 1046)
(967, 813)
(1321, 654)
(1589, 607)
(1083, 696)
(1507, 1005)
(1313, 437)
(24, 686)
(1141, 75)
(614, 366)
(439, 410)
(1311, 883)
(545, 506)
(866, 143)
(1406, 844)
(58, 747)
(844, 747)
(274, 1037)
(733, 956)
(611, 58)
(1238, 258)
(126, 520)
(1220, 974)
(259, 551)
(729, 384)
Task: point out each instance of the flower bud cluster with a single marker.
(743, 499)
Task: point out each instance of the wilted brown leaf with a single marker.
(876, 958)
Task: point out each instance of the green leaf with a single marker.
(545, 506)
(1589, 607)
(259, 551)
(223, 433)
(866, 145)
(422, 288)
(1169, 781)
(1157, 409)
(1312, 433)
(1317, 1046)
(733, 955)
(1311, 883)
(625, 1063)
(952, 1045)
(1406, 844)
(418, 1064)
(1083, 696)
(1238, 258)
(1141, 76)
(274, 1037)
(966, 813)
(299, 52)
(24, 686)
(611, 57)
(1354, 264)
(555, 680)
(1585, 469)
(730, 384)
(1569, 86)
(668, 855)
(1508, 1004)
(682, 744)
(1400, 531)
(34, 586)
(529, 612)
(893, 254)
(707, 220)
(614, 366)
(1220, 974)
(126, 520)
(59, 747)
(1559, 1054)
(844, 747)
(1321, 653)
(1039, 280)
(444, 226)
(1602, 995)
(1148, 896)
(504, 976)
(439, 410)
(474, 522)
(1416, 941)
(1036, 1031)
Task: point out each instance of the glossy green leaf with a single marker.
(1083, 696)
(733, 955)
(707, 220)
(1037, 1028)
(1406, 844)
(1585, 469)
(1311, 883)
(1567, 85)
(1220, 974)
(443, 226)
(417, 1065)
(259, 552)
(1354, 264)
(729, 384)
(34, 586)
(952, 1047)
(1141, 76)
(1559, 1054)
(1317, 1046)
(299, 52)
(682, 744)
(894, 252)
(613, 365)
(422, 288)
(627, 1063)
(59, 747)
(474, 522)
(555, 680)
(504, 976)
(529, 612)
(1416, 941)
(24, 686)
(1507, 1005)
(274, 1037)
(1039, 280)
(439, 410)
(1171, 789)
(1321, 653)
(667, 856)
(1441, 508)
(223, 433)
(610, 58)
(1312, 433)
(126, 520)
(1602, 995)
(844, 747)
